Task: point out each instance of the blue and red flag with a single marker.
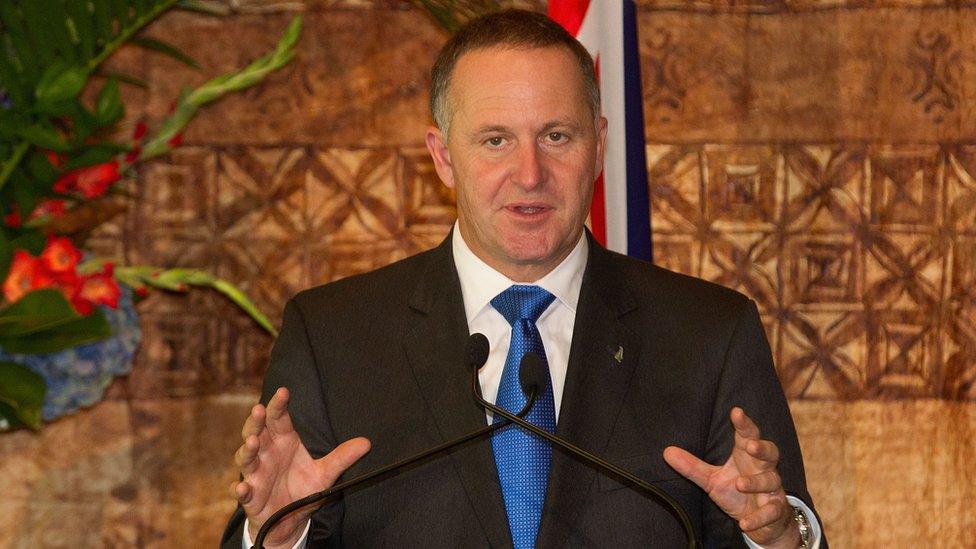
(620, 213)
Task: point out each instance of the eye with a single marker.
(556, 137)
(495, 142)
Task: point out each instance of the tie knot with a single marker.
(522, 302)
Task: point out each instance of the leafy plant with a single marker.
(58, 164)
(451, 14)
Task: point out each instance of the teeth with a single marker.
(529, 210)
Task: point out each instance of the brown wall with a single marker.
(819, 156)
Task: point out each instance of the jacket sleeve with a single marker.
(295, 366)
(749, 380)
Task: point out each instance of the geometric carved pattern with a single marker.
(274, 221)
(861, 258)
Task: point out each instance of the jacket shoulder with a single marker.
(385, 287)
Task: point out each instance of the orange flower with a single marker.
(60, 255)
(101, 289)
(27, 273)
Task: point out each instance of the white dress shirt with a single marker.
(480, 284)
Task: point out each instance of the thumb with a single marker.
(689, 466)
(333, 464)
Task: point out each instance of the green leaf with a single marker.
(124, 78)
(95, 154)
(166, 49)
(40, 167)
(44, 137)
(60, 82)
(24, 54)
(6, 253)
(37, 311)
(109, 108)
(202, 6)
(25, 192)
(81, 20)
(86, 329)
(179, 279)
(22, 393)
(39, 21)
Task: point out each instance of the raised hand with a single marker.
(747, 486)
(278, 469)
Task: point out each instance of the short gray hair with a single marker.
(509, 29)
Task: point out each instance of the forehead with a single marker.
(498, 80)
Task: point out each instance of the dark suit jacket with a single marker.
(381, 355)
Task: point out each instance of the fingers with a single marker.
(246, 457)
(766, 482)
(689, 466)
(274, 416)
(333, 464)
(241, 491)
(770, 514)
(764, 453)
(743, 424)
(763, 450)
(254, 423)
(278, 420)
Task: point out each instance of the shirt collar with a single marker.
(480, 283)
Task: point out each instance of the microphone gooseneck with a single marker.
(476, 354)
(532, 376)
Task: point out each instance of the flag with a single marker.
(620, 213)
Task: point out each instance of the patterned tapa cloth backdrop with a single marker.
(819, 156)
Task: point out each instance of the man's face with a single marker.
(523, 151)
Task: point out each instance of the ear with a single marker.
(601, 144)
(437, 147)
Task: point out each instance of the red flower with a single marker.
(56, 160)
(139, 131)
(133, 155)
(94, 181)
(142, 291)
(176, 140)
(27, 273)
(67, 182)
(13, 219)
(60, 255)
(53, 207)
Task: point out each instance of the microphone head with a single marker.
(476, 351)
(533, 374)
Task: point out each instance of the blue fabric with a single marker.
(522, 458)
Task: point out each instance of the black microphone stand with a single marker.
(319, 496)
(672, 504)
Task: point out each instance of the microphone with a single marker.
(533, 371)
(476, 354)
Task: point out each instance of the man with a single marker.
(642, 362)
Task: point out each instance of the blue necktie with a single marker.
(521, 457)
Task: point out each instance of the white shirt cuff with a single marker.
(247, 543)
(815, 534)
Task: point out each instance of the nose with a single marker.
(528, 170)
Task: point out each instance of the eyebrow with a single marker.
(549, 126)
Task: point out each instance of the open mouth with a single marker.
(528, 210)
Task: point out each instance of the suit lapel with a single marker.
(602, 359)
(435, 351)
